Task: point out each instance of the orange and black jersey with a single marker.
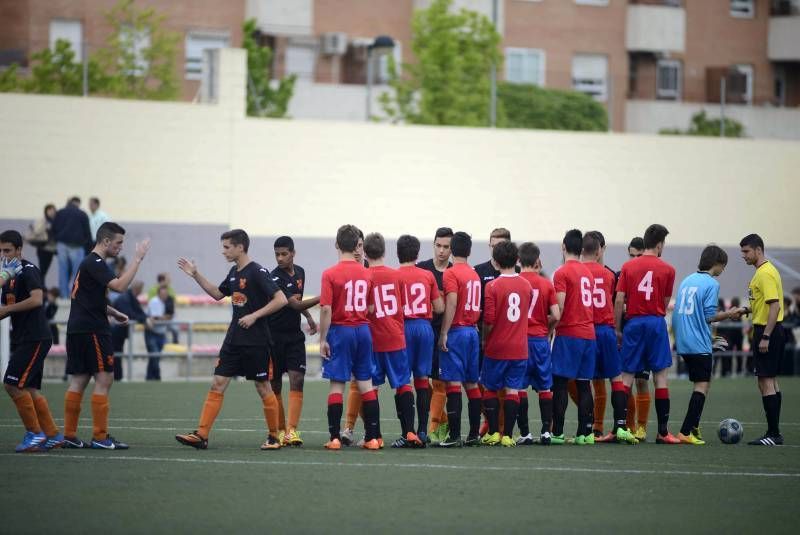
(249, 289)
(30, 325)
(87, 312)
(287, 319)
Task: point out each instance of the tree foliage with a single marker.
(529, 106)
(701, 125)
(264, 100)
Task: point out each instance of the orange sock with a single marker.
(599, 403)
(353, 406)
(642, 407)
(631, 421)
(281, 412)
(72, 412)
(572, 388)
(211, 409)
(100, 408)
(271, 405)
(45, 417)
(438, 398)
(295, 408)
(27, 412)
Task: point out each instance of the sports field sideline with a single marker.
(159, 486)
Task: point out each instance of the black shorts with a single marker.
(251, 362)
(767, 364)
(288, 353)
(89, 353)
(26, 364)
(699, 367)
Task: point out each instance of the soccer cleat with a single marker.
(690, 439)
(190, 439)
(697, 434)
(450, 443)
(584, 440)
(484, 428)
(545, 439)
(31, 443)
(507, 442)
(558, 440)
(440, 433)
(347, 436)
(597, 433)
(490, 439)
(414, 441)
(767, 440)
(292, 438)
(400, 443)
(527, 440)
(624, 436)
(56, 441)
(372, 444)
(272, 443)
(282, 437)
(75, 443)
(669, 438)
(472, 440)
(423, 436)
(608, 437)
(108, 443)
(641, 433)
(380, 442)
(333, 444)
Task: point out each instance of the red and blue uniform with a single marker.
(608, 363)
(540, 363)
(459, 364)
(420, 289)
(574, 344)
(386, 325)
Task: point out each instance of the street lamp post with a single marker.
(381, 45)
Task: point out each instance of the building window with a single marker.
(382, 76)
(668, 79)
(136, 42)
(590, 75)
(300, 60)
(196, 43)
(525, 66)
(68, 30)
(746, 77)
(743, 9)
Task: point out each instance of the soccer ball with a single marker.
(730, 431)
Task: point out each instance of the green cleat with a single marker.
(584, 440)
(490, 439)
(697, 434)
(624, 436)
(558, 440)
(507, 442)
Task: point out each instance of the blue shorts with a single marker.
(459, 364)
(497, 374)
(645, 345)
(540, 363)
(419, 346)
(392, 365)
(573, 358)
(351, 354)
(608, 362)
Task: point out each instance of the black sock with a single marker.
(371, 419)
(454, 414)
(510, 407)
(423, 407)
(693, 412)
(522, 416)
(772, 408)
(407, 411)
(662, 413)
(560, 400)
(400, 416)
(474, 411)
(491, 406)
(780, 403)
(585, 408)
(546, 412)
(619, 402)
(334, 419)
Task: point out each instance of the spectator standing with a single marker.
(72, 234)
(40, 235)
(163, 281)
(97, 217)
(155, 336)
(735, 337)
(127, 303)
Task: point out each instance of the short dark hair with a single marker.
(347, 238)
(94, 199)
(735, 301)
(13, 237)
(284, 241)
(47, 207)
(711, 256)
(407, 248)
(505, 254)
(108, 230)
(237, 236)
(161, 277)
(573, 241)
(374, 246)
(443, 232)
(636, 243)
(599, 235)
(360, 233)
(528, 254)
(752, 240)
(591, 244)
(73, 199)
(461, 245)
(654, 235)
(500, 232)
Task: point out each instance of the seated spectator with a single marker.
(128, 304)
(155, 335)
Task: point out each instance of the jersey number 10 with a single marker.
(473, 301)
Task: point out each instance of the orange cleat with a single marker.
(334, 444)
(414, 441)
(668, 439)
(372, 444)
(608, 437)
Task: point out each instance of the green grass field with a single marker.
(159, 486)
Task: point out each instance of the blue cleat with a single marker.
(109, 443)
(74, 443)
(31, 442)
(56, 441)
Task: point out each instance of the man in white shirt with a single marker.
(96, 217)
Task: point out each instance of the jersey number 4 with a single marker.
(646, 285)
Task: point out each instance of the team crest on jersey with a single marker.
(238, 299)
(242, 284)
(299, 283)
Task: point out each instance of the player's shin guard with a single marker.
(45, 417)
(662, 410)
(423, 403)
(600, 396)
(522, 413)
(27, 412)
(295, 408)
(454, 411)
(511, 407)
(438, 401)
(100, 409)
(72, 412)
(369, 403)
(353, 405)
(546, 410)
(271, 407)
(335, 406)
(642, 407)
(619, 403)
(210, 411)
(693, 412)
(474, 410)
(585, 408)
(491, 406)
(560, 400)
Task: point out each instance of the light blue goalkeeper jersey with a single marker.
(696, 303)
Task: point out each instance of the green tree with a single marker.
(701, 125)
(264, 100)
(529, 106)
(9, 79)
(449, 84)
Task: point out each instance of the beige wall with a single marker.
(178, 162)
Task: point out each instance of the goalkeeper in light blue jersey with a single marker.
(695, 310)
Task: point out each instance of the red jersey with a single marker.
(647, 282)
(386, 319)
(462, 280)
(603, 288)
(506, 304)
(345, 288)
(577, 320)
(420, 290)
(543, 297)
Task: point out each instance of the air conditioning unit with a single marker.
(334, 43)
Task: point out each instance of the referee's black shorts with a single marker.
(767, 364)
